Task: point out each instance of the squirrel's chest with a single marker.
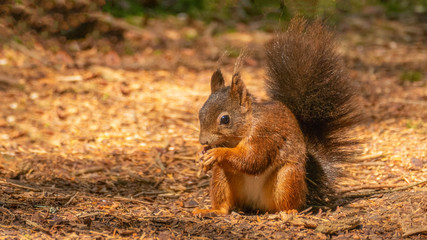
(256, 190)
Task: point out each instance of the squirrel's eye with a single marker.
(225, 119)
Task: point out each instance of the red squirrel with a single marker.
(278, 155)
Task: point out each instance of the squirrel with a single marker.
(278, 155)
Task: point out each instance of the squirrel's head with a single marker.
(224, 116)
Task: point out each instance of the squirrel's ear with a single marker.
(217, 81)
(238, 90)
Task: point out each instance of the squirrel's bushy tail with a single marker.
(306, 74)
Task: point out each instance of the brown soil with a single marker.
(96, 144)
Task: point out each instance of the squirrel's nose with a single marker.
(203, 140)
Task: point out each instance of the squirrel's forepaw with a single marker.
(209, 159)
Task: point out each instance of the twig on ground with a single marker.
(367, 194)
(159, 182)
(119, 217)
(413, 231)
(89, 214)
(380, 186)
(158, 161)
(5, 210)
(105, 18)
(131, 200)
(145, 193)
(19, 185)
(338, 226)
(33, 224)
(298, 221)
(89, 170)
(305, 210)
(71, 199)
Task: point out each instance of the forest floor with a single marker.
(100, 144)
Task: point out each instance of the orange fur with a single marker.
(278, 160)
(274, 156)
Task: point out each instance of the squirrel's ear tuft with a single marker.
(239, 91)
(217, 81)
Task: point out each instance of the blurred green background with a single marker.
(73, 19)
(231, 11)
(128, 26)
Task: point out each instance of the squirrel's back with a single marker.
(306, 74)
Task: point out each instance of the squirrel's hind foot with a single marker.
(209, 212)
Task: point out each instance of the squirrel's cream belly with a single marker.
(254, 190)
